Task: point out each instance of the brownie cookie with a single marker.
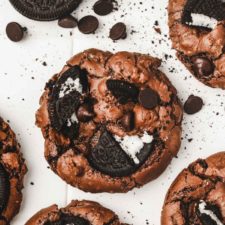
(76, 213)
(197, 196)
(111, 122)
(197, 30)
(12, 171)
(45, 10)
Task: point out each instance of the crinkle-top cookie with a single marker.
(111, 122)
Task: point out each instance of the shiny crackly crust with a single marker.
(91, 211)
(74, 168)
(191, 41)
(203, 179)
(13, 162)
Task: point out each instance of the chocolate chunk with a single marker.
(109, 158)
(103, 7)
(127, 121)
(67, 219)
(193, 104)
(123, 90)
(118, 31)
(15, 31)
(4, 188)
(202, 66)
(67, 22)
(45, 10)
(85, 113)
(210, 8)
(148, 98)
(88, 24)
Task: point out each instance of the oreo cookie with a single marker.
(203, 13)
(123, 90)
(109, 158)
(72, 220)
(4, 188)
(45, 10)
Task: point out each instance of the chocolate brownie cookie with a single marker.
(45, 10)
(111, 122)
(12, 171)
(197, 196)
(76, 213)
(197, 30)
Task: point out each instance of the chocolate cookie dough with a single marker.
(76, 213)
(197, 196)
(197, 30)
(111, 122)
(12, 171)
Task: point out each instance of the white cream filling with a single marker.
(203, 210)
(72, 120)
(132, 145)
(203, 21)
(69, 86)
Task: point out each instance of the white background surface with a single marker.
(22, 79)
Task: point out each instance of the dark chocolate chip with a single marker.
(103, 7)
(88, 24)
(202, 66)
(4, 188)
(109, 158)
(85, 113)
(123, 90)
(211, 8)
(193, 104)
(15, 31)
(67, 22)
(127, 121)
(68, 219)
(148, 98)
(118, 31)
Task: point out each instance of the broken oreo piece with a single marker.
(123, 90)
(66, 219)
(203, 13)
(4, 188)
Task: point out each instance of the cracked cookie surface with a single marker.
(197, 195)
(76, 213)
(12, 171)
(197, 31)
(111, 122)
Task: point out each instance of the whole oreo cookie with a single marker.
(197, 31)
(107, 128)
(197, 195)
(45, 10)
(12, 171)
(76, 213)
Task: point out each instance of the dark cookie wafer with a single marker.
(197, 31)
(12, 171)
(197, 195)
(117, 138)
(45, 10)
(76, 213)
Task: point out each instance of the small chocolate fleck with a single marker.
(67, 22)
(193, 104)
(88, 24)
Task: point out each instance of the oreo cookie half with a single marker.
(45, 10)
(110, 156)
(4, 188)
(203, 13)
(69, 220)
